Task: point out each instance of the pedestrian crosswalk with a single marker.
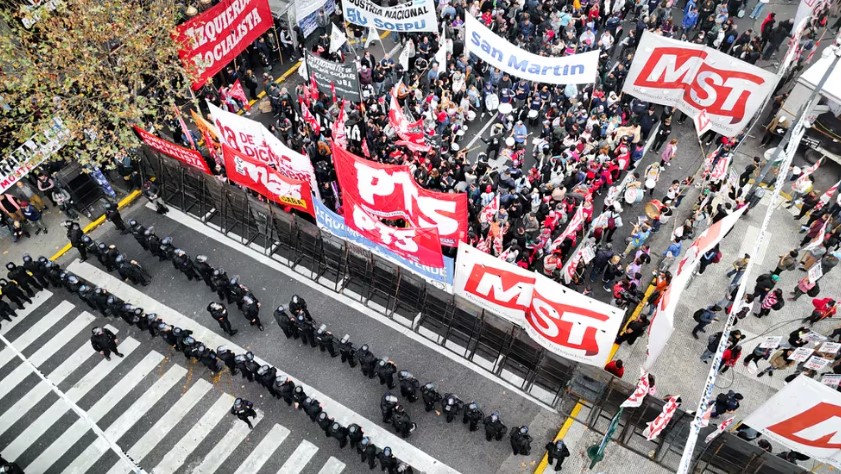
(168, 420)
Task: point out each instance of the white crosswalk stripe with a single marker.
(28, 309)
(164, 425)
(37, 330)
(57, 376)
(175, 458)
(219, 453)
(332, 466)
(132, 415)
(36, 429)
(46, 351)
(101, 408)
(275, 437)
(299, 459)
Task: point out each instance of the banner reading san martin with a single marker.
(414, 15)
(343, 76)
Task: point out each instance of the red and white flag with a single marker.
(723, 426)
(568, 270)
(818, 240)
(338, 128)
(708, 413)
(636, 398)
(184, 129)
(827, 196)
(804, 176)
(309, 118)
(313, 88)
(238, 93)
(572, 227)
(488, 213)
(720, 170)
(657, 425)
(333, 91)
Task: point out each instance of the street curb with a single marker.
(544, 461)
(97, 222)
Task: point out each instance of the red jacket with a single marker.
(825, 306)
(613, 369)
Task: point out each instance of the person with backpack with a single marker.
(33, 215)
(704, 317)
(779, 361)
(773, 300)
(707, 259)
(786, 262)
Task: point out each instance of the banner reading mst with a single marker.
(214, 38)
(692, 78)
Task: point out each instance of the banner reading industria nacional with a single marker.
(412, 16)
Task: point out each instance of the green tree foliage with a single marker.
(100, 65)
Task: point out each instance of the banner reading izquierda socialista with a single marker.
(412, 16)
(576, 69)
(214, 38)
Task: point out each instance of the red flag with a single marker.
(310, 119)
(636, 398)
(313, 87)
(365, 150)
(184, 129)
(238, 93)
(333, 90)
(574, 224)
(827, 196)
(338, 128)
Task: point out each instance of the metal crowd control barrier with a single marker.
(485, 339)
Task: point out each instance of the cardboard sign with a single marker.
(801, 354)
(771, 342)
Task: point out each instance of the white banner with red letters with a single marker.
(214, 38)
(693, 77)
(189, 157)
(562, 320)
(256, 141)
(805, 416)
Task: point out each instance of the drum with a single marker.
(491, 102)
(509, 142)
(654, 208)
(505, 108)
(471, 115)
(650, 183)
(631, 195)
(533, 117)
(455, 147)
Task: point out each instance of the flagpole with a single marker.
(791, 140)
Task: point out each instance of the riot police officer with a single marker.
(306, 330)
(409, 385)
(299, 395)
(180, 335)
(139, 233)
(248, 366)
(266, 375)
(99, 298)
(228, 357)
(336, 430)
(113, 216)
(297, 306)
(153, 243)
(521, 440)
(74, 235)
(280, 389)
(367, 361)
(183, 263)
(286, 323)
(387, 404)
(151, 321)
(163, 330)
(451, 405)
(220, 313)
(312, 408)
(367, 451)
(473, 415)
(243, 409)
(52, 271)
(36, 270)
(346, 350)
(220, 283)
(114, 305)
(324, 338)
(23, 278)
(401, 422)
(385, 371)
(105, 342)
(86, 294)
(355, 434)
(204, 270)
(188, 345)
(166, 249)
(236, 291)
(130, 270)
(11, 290)
(71, 282)
(494, 429)
(251, 310)
(324, 421)
(6, 311)
(557, 450)
(387, 460)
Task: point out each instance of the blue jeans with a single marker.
(757, 10)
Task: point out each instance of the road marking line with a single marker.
(561, 433)
(219, 453)
(40, 426)
(410, 454)
(132, 415)
(175, 458)
(165, 424)
(37, 330)
(197, 226)
(299, 459)
(57, 376)
(105, 404)
(482, 131)
(28, 309)
(268, 445)
(332, 466)
(46, 351)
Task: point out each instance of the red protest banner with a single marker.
(260, 178)
(214, 38)
(189, 157)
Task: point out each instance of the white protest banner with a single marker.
(409, 17)
(570, 324)
(693, 77)
(771, 342)
(32, 153)
(576, 69)
(801, 354)
(337, 37)
(305, 8)
(816, 363)
(256, 141)
(805, 416)
(493, 283)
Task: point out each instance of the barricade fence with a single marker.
(489, 341)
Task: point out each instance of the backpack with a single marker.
(697, 315)
(778, 305)
(717, 257)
